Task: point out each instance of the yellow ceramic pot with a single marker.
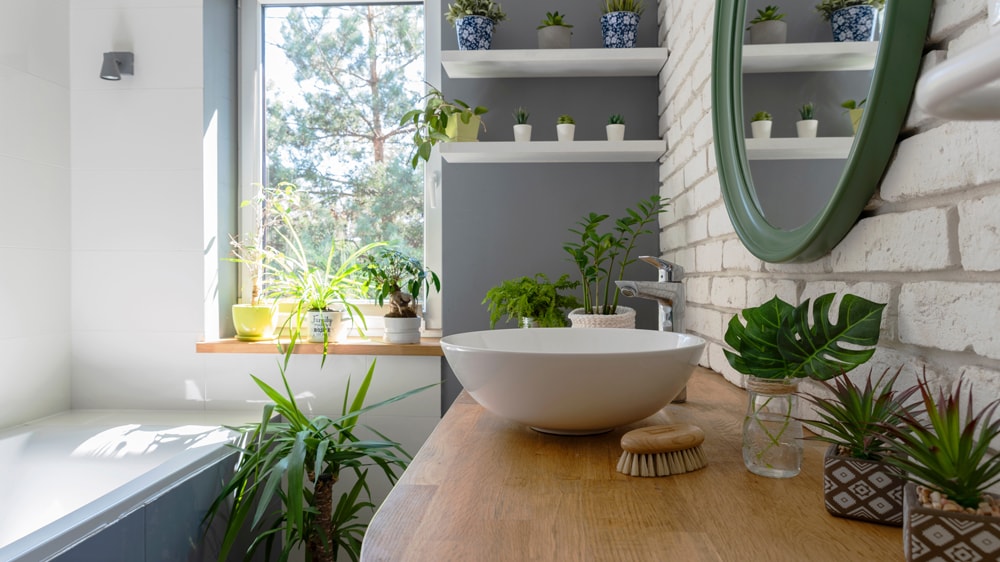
(253, 322)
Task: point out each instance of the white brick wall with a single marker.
(930, 249)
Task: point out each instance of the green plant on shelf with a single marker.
(565, 120)
(554, 19)
(616, 119)
(520, 116)
(769, 13)
(807, 112)
(761, 116)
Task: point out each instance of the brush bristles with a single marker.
(662, 464)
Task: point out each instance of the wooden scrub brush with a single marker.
(662, 450)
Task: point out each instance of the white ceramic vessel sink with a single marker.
(573, 380)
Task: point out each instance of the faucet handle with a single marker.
(670, 272)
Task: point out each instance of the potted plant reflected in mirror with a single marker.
(856, 111)
(534, 302)
(295, 463)
(807, 126)
(441, 120)
(615, 127)
(565, 128)
(760, 125)
(857, 482)
(851, 20)
(522, 129)
(392, 274)
(780, 344)
(767, 27)
(554, 32)
(944, 451)
(620, 23)
(474, 21)
(596, 255)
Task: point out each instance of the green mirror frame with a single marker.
(893, 78)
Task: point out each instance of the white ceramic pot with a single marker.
(616, 132)
(761, 129)
(522, 133)
(624, 317)
(807, 128)
(554, 37)
(323, 325)
(565, 131)
(401, 330)
(767, 32)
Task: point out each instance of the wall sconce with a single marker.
(117, 63)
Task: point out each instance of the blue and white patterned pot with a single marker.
(855, 23)
(475, 33)
(620, 29)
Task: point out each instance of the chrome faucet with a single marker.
(667, 291)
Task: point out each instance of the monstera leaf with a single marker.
(779, 341)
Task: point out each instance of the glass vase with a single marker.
(772, 437)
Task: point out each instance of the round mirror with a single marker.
(791, 198)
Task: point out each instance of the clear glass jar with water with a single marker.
(772, 437)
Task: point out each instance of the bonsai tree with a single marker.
(826, 8)
(463, 8)
(430, 124)
(393, 274)
(768, 13)
(532, 297)
(554, 19)
(284, 484)
(597, 253)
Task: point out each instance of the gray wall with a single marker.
(507, 220)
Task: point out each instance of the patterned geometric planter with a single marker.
(855, 23)
(475, 33)
(620, 29)
(935, 535)
(860, 489)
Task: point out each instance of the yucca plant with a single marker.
(283, 488)
(635, 6)
(947, 448)
(854, 417)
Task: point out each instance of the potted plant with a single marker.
(807, 126)
(856, 110)
(292, 463)
(522, 130)
(597, 254)
(254, 320)
(851, 20)
(441, 121)
(620, 23)
(767, 27)
(778, 345)
(565, 128)
(474, 22)
(760, 125)
(393, 274)
(946, 456)
(554, 32)
(615, 127)
(535, 301)
(857, 482)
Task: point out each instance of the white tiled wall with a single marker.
(35, 195)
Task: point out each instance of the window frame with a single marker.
(251, 136)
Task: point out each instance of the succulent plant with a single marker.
(761, 116)
(616, 119)
(554, 19)
(807, 111)
(769, 13)
(521, 116)
(565, 119)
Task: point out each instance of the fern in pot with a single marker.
(535, 302)
(945, 454)
(777, 344)
(857, 482)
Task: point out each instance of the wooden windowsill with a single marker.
(428, 347)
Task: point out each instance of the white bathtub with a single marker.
(66, 477)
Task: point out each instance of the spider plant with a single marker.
(854, 416)
(947, 449)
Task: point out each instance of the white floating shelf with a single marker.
(809, 57)
(820, 148)
(552, 151)
(553, 63)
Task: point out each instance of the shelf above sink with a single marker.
(552, 151)
(554, 63)
(809, 57)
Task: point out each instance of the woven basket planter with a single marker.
(936, 535)
(861, 489)
(623, 318)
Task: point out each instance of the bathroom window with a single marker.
(324, 85)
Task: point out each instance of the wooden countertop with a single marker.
(485, 489)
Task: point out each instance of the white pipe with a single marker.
(964, 87)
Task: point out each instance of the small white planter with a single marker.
(807, 128)
(761, 129)
(768, 32)
(554, 37)
(616, 132)
(323, 324)
(401, 330)
(522, 133)
(565, 131)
